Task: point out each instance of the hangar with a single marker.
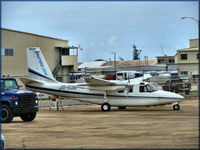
(61, 58)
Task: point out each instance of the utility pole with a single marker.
(110, 61)
(138, 52)
(146, 60)
(114, 60)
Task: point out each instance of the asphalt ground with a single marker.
(86, 126)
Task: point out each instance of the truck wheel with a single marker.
(28, 117)
(105, 107)
(122, 107)
(187, 92)
(6, 114)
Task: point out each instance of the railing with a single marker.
(57, 68)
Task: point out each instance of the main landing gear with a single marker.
(105, 106)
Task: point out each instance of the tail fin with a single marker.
(37, 66)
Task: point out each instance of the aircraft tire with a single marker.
(105, 107)
(122, 107)
(176, 107)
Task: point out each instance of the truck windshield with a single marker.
(9, 84)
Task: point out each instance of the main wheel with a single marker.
(176, 107)
(28, 117)
(105, 107)
(6, 114)
(122, 107)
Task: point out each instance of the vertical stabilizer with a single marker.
(37, 66)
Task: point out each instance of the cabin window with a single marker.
(131, 89)
(120, 74)
(122, 91)
(142, 88)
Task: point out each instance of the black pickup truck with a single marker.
(177, 85)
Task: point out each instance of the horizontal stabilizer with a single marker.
(26, 81)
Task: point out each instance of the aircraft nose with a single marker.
(178, 96)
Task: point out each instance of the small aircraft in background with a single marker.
(106, 93)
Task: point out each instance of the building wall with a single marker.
(191, 56)
(194, 42)
(165, 59)
(16, 65)
(70, 60)
(191, 69)
(189, 65)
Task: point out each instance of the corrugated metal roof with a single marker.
(91, 64)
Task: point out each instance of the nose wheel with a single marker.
(105, 107)
(176, 107)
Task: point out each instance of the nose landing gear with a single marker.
(176, 107)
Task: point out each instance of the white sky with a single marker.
(103, 27)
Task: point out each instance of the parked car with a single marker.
(110, 77)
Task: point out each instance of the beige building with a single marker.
(56, 52)
(165, 59)
(188, 59)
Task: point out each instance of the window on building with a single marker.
(65, 51)
(184, 73)
(198, 56)
(171, 60)
(7, 52)
(183, 56)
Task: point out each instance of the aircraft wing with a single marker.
(104, 85)
(97, 82)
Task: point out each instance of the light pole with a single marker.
(139, 51)
(190, 18)
(197, 21)
(146, 60)
(114, 60)
(166, 62)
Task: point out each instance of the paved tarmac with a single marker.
(86, 126)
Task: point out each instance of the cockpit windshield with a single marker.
(150, 87)
(153, 87)
(9, 84)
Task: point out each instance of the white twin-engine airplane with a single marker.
(106, 93)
